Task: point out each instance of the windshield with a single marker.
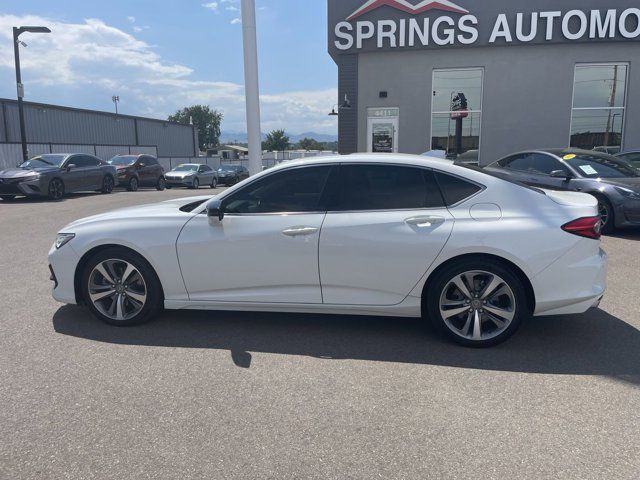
(122, 161)
(44, 161)
(601, 166)
(227, 168)
(186, 168)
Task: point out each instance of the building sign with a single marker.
(382, 138)
(357, 25)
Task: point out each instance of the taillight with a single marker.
(589, 227)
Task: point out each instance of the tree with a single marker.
(276, 141)
(310, 144)
(206, 121)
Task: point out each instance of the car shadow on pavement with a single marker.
(28, 200)
(594, 343)
(628, 234)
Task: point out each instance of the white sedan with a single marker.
(394, 235)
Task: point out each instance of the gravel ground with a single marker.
(253, 395)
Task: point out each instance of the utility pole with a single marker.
(251, 85)
(17, 31)
(115, 99)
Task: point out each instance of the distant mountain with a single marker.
(241, 137)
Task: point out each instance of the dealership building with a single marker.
(486, 78)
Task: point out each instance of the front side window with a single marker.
(290, 191)
(386, 187)
(456, 110)
(599, 100)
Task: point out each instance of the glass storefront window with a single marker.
(457, 112)
(597, 117)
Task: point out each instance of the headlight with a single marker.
(63, 238)
(625, 192)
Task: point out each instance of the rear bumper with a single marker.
(573, 284)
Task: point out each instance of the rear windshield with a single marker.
(122, 161)
(497, 174)
(592, 166)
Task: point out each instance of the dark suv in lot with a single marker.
(134, 171)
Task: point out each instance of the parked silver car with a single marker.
(53, 175)
(192, 175)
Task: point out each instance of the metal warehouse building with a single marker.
(487, 78)
(52, 128)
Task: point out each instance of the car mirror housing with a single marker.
(71, 166)
(141, 164)
(215, 209)
(561, 174)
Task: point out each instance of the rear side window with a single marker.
(386, 187)
(455, 189)
(150, 161)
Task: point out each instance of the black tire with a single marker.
(7, 198)
(606, 212)
(108, 183)
(55, 191)
(133, 184)
(214, 183)
(155, 298)
(196, 184)
(161, 185)
(439, 287)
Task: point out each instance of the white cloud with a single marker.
(211, 6)
(235, 21)
(132, 19)
(93, 60)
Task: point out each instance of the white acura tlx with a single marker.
(394, 235)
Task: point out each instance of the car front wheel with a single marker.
(120, 288)
(133, 185)
(477, 303)
(56, 189)
(605, 210)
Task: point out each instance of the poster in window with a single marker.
(383, 138)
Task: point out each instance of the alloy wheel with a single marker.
(477, 305)
(117, 289)
(196, 183)
(162, 184)
(56, 189)
(133, 184)
(107, 184)
(214, 183)
(603, 211)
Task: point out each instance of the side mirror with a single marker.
(71, 166)
(561, 174)
(215, 209)
(141, 164)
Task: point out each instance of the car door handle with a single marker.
(425, 221)
(299, 231)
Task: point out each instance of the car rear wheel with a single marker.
(477, 303)
(120, 288)
(133, 185)
(161, 185)
(107, 184)
(605, 210)
(196, 184)
(214, 183)
(56, 189)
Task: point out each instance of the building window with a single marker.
(599, 96)
(457, 112)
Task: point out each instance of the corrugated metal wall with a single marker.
(65, 126)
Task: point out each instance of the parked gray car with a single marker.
(53, 175)
(192, 175)
(613, 181)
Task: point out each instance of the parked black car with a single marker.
(53, 175)
(135, 171)
(232, 174)
(614, 182)
(632, 157)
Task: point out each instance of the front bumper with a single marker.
(628, 214)
(179, 182)
(20, 186)
(62, 264)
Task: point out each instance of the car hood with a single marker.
(180, 174)
(629, 182)
(137, 214)
(23, 172)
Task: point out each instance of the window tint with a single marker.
(82, 161)
(455, 189)
(205, 168)
(296, 190)
(148, 161)
(385, 187)
(518, 162)
(545, 164)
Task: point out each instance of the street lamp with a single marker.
(346, 105)
(17, 31)
(115, 99)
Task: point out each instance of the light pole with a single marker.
(115, 99)
(251, 86)
(17, 31)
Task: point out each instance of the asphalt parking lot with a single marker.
(249, 395)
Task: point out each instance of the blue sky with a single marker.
(161, 55)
